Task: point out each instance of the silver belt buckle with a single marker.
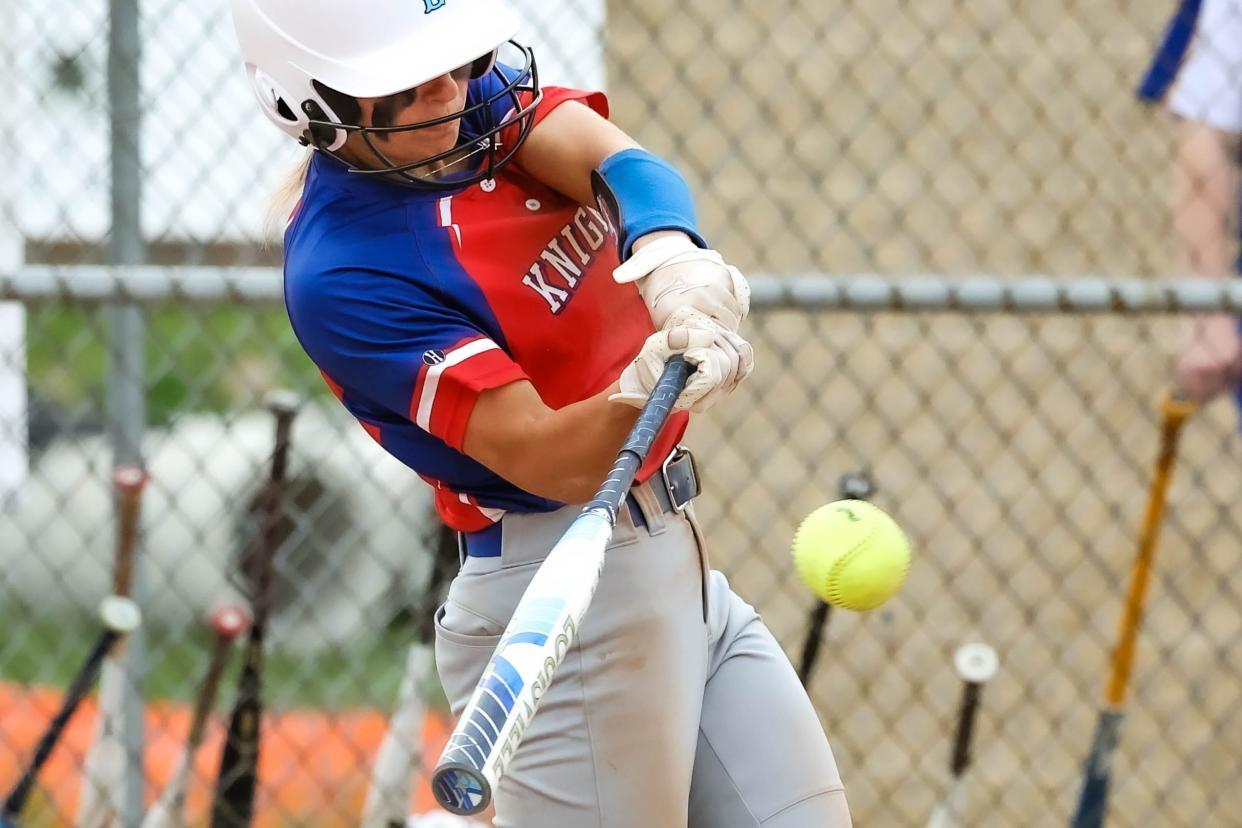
(675, 455)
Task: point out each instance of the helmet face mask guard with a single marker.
(477, 156)
(309, 64)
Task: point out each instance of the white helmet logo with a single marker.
(431, 5)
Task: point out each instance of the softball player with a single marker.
(1197, 74)
(497, 334)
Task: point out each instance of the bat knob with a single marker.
(129, 478)
(975, 663)
(856, 485)
(460, 789)
(230, 621)
(1176, 405)
(282, 402)
(120, 614)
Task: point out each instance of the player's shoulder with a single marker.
(347, 225)
(343, 281)
(339, 209)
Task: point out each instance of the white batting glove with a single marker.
(674, 273)
(722, 360)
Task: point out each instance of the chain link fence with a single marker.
(1008, 422)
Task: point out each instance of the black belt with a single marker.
(676, 484)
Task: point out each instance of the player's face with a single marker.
(445, 95)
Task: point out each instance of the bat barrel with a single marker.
(128, 481)
(233, 800)
(966, 725)
(73, 697)
(542, 629)
(975, 664)
(76, 691)
(814, 638)
(283, 406)
(1093, 800)
(521, 670)
(1140, 575)
(207, 694)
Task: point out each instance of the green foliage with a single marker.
(211, 359)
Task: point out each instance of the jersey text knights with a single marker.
(413, 303)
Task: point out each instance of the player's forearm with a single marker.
(1204, 190)
(562, 454)
(574, 447)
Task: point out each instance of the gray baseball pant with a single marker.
(667, 711)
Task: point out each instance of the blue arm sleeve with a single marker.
(640, 193)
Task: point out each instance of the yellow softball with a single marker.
(851, 554)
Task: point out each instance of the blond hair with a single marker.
(285, 197)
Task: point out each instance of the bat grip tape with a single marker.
(642, 436)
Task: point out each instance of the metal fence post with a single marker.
(126, 403)
(13, 430)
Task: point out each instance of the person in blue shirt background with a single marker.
(1197, 76)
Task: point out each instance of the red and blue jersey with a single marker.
(413, 303)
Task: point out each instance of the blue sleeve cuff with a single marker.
(1174, 47)
(640, 193)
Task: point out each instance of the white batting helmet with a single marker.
(295, 51)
